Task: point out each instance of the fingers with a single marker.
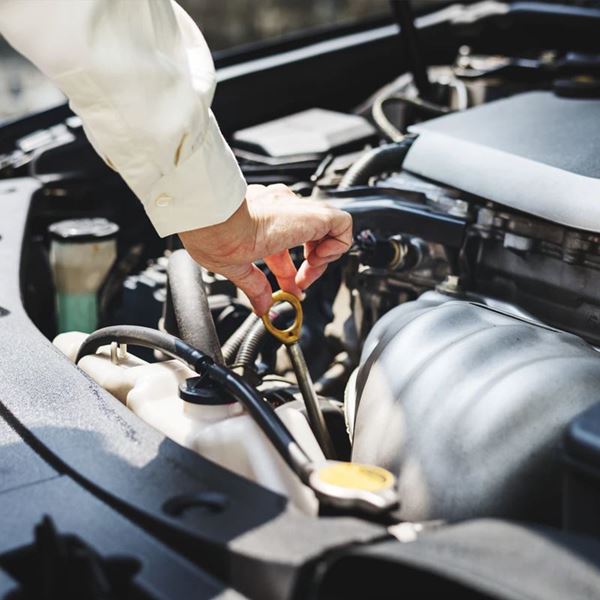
(254, 283)
(283, 268)
(318, 254)
(309, 247)
(307, 274)
(267, 224)
(328, 250)
(341, 228)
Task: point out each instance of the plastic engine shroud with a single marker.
(467, 406)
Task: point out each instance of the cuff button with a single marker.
(163, 200)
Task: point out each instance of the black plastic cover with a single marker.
(477, 560)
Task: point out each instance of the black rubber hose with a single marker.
(190, 305)
(232, 345)
(262, 412)
(255, 339)
(379, 160)
(147, 338)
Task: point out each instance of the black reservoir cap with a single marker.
(201, 390)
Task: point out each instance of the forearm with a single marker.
(140, 76)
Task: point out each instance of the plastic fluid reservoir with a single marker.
(200, 418)
(82, 251)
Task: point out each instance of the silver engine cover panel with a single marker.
(534, 152)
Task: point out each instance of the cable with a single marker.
(462, 93)
(264, 415)
(232, 345)
(403, 90)
(382, 121)
(378, 160)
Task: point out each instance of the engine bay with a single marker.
(453, 350)
(416, 234)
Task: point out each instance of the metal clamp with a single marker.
(292, 334)
(118, 352)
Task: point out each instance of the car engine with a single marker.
(451, 348)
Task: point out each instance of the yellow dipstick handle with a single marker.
(289, 338)
(290, 335)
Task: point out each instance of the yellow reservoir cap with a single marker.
(367, 478)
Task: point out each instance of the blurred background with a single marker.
(236, 22)
(225, 24)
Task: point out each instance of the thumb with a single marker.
(253, 282)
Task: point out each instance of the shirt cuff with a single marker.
(205, 189)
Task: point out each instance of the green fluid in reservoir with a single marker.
(77, 312)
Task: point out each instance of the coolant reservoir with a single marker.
(213, 425)
(82, 251)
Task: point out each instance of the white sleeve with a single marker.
(141, 77)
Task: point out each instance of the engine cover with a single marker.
(534, 152)
(467, 406)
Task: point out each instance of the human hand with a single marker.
(268, 223)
